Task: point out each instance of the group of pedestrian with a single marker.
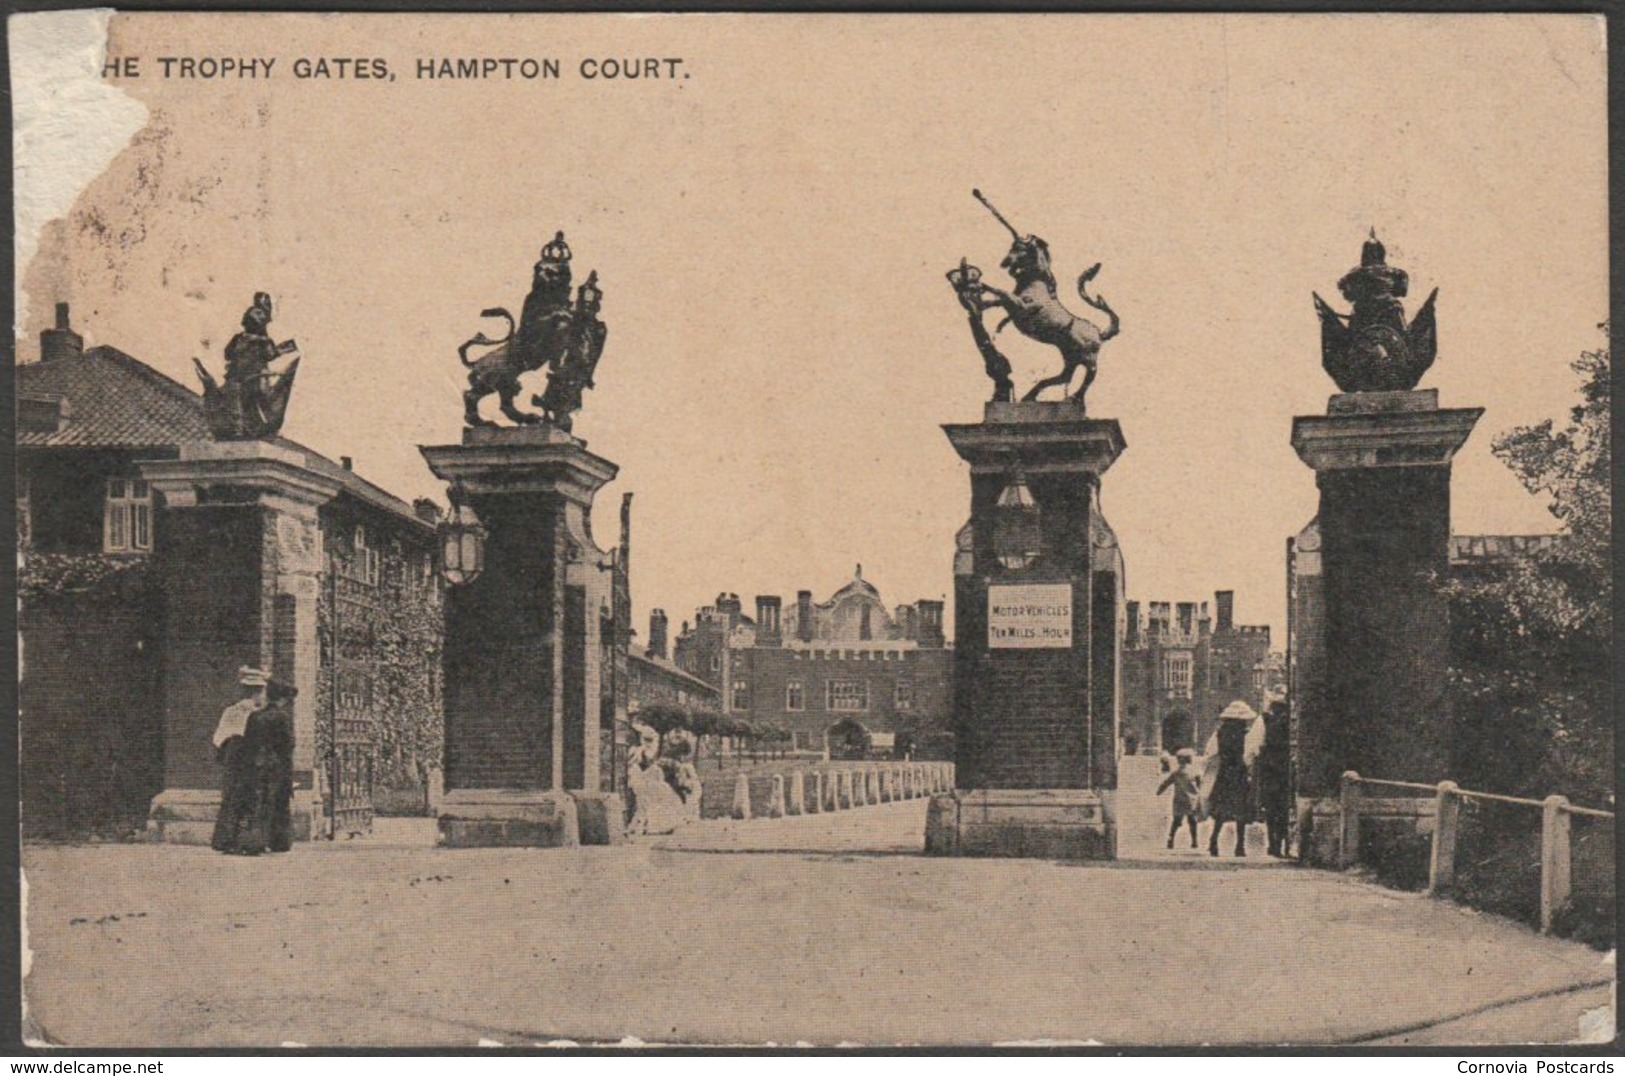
(254, 744)
(1247, 775)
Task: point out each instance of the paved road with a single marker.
(822, 930)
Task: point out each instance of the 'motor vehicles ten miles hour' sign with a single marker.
(1029, 617)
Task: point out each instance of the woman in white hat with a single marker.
(237, 828)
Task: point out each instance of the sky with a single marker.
(771, 231)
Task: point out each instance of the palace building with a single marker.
(848, 664)
(1181, 668)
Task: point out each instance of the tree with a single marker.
(1532, 658)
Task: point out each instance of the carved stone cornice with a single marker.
(522, 459)
(1039, 438)
(275, 475)
(1402, 435)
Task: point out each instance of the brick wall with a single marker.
(498, 661)
(209, 561)
(770, 670)
(1384, 541)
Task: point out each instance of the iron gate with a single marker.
(351, 778)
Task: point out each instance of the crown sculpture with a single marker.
(1036, 312)
(253, 401)
(1371, 349)
(552, 332)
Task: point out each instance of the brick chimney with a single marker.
(60, 342)
(804, 616)
(769, 629)
(657, 633)
(930, 623)
(426, 510)
(1225, 602)
(1131, 635)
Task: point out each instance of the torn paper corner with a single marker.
(68, 124)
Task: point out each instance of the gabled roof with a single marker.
(858, 585)
(116, 401)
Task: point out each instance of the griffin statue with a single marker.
(552, 332)
(1371, 349)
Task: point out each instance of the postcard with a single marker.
(953, 530)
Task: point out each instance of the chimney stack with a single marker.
(657, 633)
(426, 510)
(1131, 635)
(1225, 601)
(804, 616)
(61, 342)
(769, 629)
(931, 624)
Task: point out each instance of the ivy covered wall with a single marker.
(380, 628)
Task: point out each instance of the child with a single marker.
(1187, 785)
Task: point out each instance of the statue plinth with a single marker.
(523, 648)
(239, 561)
(1038, 600)
(1382, 463)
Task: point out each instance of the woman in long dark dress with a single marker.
(270, 735)
(1231, 797)
(1275, 778)
(236, 827)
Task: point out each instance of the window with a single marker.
(741, 695)
(128, 521)
(362, 564)
(848, 695)
(794, 697)
(1176, 675)
(903, 695)
(716, 662)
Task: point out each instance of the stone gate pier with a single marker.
(1038, 590)
(524, 665)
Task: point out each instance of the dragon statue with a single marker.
(567, 338)
(1034, 308)
(1371, 349)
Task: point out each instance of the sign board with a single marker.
(1029, 617)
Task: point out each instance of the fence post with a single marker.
(1348, 842)
(1554, 860)
(1446, 821)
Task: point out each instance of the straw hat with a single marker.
(1238, 711)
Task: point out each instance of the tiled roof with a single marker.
(671, 669)
(115, 401)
